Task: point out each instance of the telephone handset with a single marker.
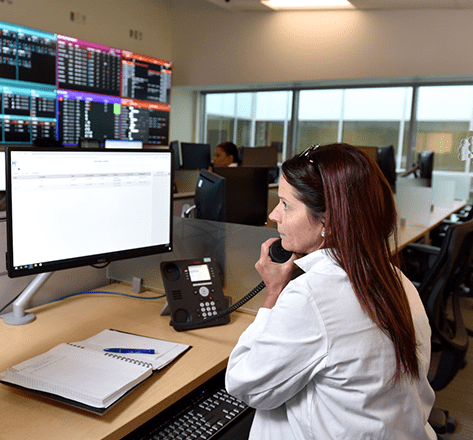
(194, 291)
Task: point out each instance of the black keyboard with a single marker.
(203, 415)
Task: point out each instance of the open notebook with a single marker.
(83, 375)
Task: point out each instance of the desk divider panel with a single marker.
(236, 248)
(461, 184)
(444, 193)
(414, 204)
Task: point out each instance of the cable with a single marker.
(7, 304)
(106, 293)
(92, 292)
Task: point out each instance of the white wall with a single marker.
(106, 22)
(214, 46)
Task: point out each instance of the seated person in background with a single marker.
(342, 351)
(226, 155)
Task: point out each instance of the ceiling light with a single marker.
(307, 4)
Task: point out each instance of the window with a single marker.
(377, 116)
(220, 111)
(248, 119)
(444, 118)
(320, 113)
(360, 116)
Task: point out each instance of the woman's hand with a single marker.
(275, 275)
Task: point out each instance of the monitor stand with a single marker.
(19, 316)
(165, 310)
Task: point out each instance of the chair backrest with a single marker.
(439, 291)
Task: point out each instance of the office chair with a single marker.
(444, 270)
(437, 235)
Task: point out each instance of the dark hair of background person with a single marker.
(345, 189)
(230, 149)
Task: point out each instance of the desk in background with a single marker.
(410, 233)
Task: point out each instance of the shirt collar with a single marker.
(319, 260)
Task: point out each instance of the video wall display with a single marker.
(63, 88)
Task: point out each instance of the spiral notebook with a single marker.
(83, 375)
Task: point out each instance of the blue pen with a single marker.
(129, 350)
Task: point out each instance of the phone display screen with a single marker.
(199, 273)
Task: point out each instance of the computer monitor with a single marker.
(195, 156)
(246, 198)
(3, 185)
(123, 143)
(259, 156)
(384, 157)
(71, 207)
(425, 164)
(387, 163)
(209, 196)
(174, 146)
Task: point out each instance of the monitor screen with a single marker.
(75, 207)
(210, 196)
(60, 87)
(122, 143)
(88, 115)
(246, 199)
(195, 156)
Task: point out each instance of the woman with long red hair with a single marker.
(342, 351)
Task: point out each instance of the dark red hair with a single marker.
(346, 188)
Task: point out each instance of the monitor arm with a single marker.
(412, 170)
(19, 316)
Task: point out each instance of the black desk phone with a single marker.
(194, 291)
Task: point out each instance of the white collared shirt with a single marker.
(316, 367)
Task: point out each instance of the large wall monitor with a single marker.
(74, 207)
(63, 88)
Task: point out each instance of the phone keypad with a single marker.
(207, 308)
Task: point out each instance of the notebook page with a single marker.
(165, 351)
(77, 374)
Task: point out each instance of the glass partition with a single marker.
(236, 248)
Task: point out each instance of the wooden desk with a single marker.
(413, 232)
(25, 415)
